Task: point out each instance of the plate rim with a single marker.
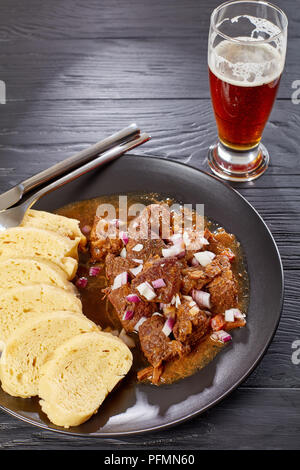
(260, 356)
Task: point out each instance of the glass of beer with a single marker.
(246, 55)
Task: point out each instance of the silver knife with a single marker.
(13, 195)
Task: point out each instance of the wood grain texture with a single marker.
(76, 71)
(181, 130)
(261, 419)
(106, 18)
(92, 69)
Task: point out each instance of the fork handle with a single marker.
(106, 157)
(80, 158)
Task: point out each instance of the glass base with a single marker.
(235, 165)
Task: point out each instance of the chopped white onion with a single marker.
(175, 250)
(82, 282)
(222, 336)
(120, 280)
(187, 297)
(192, 303)
(124, 237)
(173, 300)
(168, 326)
(177, 301)
(94, 271)
(233, 314)
(123, 253)
(202, 298)
(157, 313)
(136, 271)
(139, 323)
(194, 262)
(229, 315)
(146, 290)
(194, 310)
(157, 283)
(128, 315)
(138, 247)
(177, 237)
(139, 261)
(204, 257)
(133, 298)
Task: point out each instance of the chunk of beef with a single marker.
(185, 219)
(219, 264)
(144, 249)
(223, 292)
(151, 373)
(193, 278)
(219, 241)
(156, 346)
(141, 309)
(115, 265)
(153, 222)
(104, 239)
(191, 323)
(196, 277)
(167, 269)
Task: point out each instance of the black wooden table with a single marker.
(78, 70)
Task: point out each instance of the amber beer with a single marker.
(243, 98)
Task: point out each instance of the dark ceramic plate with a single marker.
(133, 408)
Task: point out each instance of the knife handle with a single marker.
(80, 158)
(102, 159)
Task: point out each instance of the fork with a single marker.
(13, 217)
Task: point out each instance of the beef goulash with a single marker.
(172, 292)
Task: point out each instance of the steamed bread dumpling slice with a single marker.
(32, 344)
(19, 304)
(64, 226)
(16, 272)
(80, 374)
(38, 243)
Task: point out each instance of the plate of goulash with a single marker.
(133, 299)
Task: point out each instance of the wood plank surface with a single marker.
(92, 69)
(181, 130)
(79, 19)
(261, 419)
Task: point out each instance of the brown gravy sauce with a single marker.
(102, 313)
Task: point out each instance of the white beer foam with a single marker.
(261, 26)
(247, 63)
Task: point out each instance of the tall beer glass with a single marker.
(246, 55)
